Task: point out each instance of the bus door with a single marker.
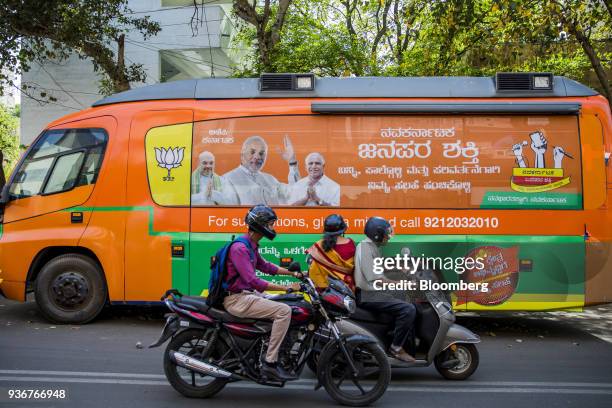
(58, 171)
(49, 191)
(157, 230)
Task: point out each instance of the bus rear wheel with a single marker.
(70, 289)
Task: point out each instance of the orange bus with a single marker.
(119, 202)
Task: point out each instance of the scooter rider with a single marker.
(245, 298)
(378, 232)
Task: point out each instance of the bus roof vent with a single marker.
(523, 81)
(286, 82)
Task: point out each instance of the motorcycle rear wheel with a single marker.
(374, 375)
(194, 343)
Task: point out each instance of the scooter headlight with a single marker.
(349, 304)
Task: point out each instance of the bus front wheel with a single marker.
(70, 289)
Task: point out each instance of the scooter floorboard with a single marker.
(395, 363)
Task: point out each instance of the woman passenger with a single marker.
(333, 256)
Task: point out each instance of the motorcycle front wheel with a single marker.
(371, 381)
(196, 344)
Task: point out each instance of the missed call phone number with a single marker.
(460, 222)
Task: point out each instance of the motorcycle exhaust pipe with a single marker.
(198, 366)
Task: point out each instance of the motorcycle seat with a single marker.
(365, 315)
(286, 296)
(199, 303)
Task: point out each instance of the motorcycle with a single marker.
(210, 348)
(438, 340)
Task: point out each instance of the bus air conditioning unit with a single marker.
(523, 81)
(286, 82)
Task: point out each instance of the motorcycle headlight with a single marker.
(350, 304)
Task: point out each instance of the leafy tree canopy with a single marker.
(39, 30)
(439, 37)
(9, 138)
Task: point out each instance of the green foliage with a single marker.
(441, 37)
(39, 30)
(9, 138)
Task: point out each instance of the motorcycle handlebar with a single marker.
(302, 289)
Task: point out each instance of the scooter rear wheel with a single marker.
(467, 354)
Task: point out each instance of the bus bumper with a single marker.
(12, 290)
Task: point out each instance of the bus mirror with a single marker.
(4, 195)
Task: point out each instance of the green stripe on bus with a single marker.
(558, 261)
(180, 266)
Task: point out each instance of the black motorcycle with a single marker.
(210, 348)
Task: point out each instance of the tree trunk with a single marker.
(595, 61)
(267, 37)
(120, 82)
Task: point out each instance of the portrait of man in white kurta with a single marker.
(247, 184)
(316, 188)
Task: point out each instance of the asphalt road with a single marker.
(526, 360)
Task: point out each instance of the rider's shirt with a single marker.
(367, 250)
(239, 263)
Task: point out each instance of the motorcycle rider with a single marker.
(333, 256)
(245, 298)
(378, 232)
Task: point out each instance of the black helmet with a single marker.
(258, 219)
(377, 228)
(334, 225)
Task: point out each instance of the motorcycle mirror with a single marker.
(294, 267)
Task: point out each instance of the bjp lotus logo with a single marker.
(169, 159)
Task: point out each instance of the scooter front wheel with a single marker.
(467, 356)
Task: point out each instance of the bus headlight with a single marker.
(542, 81)
(304, 82)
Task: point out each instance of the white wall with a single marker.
(10, 95)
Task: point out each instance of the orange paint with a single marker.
(137, 265)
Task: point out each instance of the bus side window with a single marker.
(65, 172)
(59, 161)
(90, 171)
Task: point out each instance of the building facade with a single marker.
(10, 95)
(176, 52)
